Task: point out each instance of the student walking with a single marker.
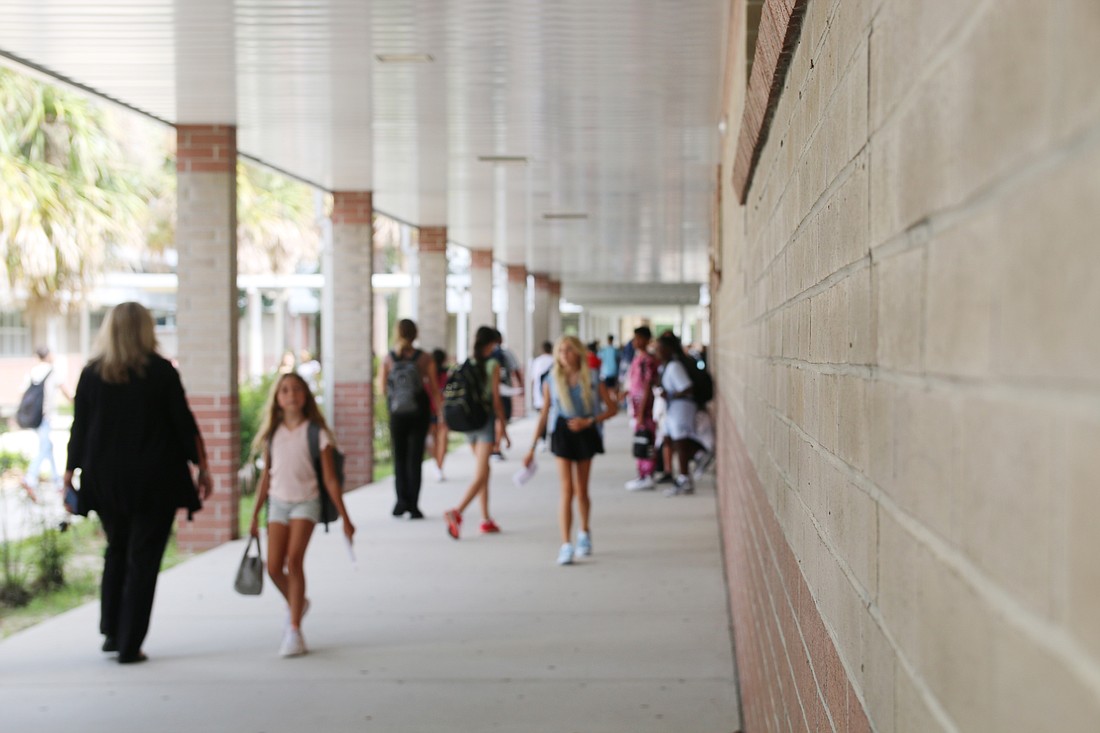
(290, 480)
(43, 374)
(408, 376)
(642, 377)
(679, 421)
(575, 402)
(439, 429)
(482, 439)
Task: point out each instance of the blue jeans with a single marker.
(45, 455)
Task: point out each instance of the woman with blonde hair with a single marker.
(290, 478)
(575, 402)
(133, 435)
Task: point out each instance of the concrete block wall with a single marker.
(352, 414)
(206, 189)
(432, 289)
(909, 402)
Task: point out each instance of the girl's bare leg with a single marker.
(584, 505)
(565, 507)
(300, 532)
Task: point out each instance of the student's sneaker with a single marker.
(497, 456)
(439, 477)
(565, 554)
(293, 644)
(703, 461)
(642, 483)
(454, 522)
(682, 486)
(584, 544)
(489, 527)
(666, 478)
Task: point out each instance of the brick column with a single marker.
(481, 290)
(349, 364)
(206, 314)
(554, 314)
(541, 317)
(432, 292)
(515, 325)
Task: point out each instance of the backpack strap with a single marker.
(313, 437)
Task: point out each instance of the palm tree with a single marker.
(66, 195)
(276, 223)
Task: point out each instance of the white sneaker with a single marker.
(703, 461)
(439, 477)
(642, 483)
(565, 554)
(584, 544)
(293, 644)
(683, 485)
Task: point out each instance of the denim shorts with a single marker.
(281, 512)
(485, 434)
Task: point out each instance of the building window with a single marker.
(15, 336)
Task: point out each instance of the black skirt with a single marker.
(580, 446)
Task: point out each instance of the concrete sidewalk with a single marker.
(424, 633)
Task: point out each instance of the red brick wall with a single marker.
(433, 239)
(481, 258)
(780, 23)
(354, 428)
(206, 148)
(791, 676)
(219, 421)
(352, 207)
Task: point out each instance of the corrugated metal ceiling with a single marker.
(613, 102)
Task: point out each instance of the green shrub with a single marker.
(10, 460)
(252, 396)
(52, 550)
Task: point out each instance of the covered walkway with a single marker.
(423, 633)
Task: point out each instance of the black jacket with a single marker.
(133, 441)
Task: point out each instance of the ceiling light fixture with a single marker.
(404, 58)
(502, 158)
(566, 216)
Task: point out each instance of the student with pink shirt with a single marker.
(290, 481)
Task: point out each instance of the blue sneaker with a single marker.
(584, 544)
(565, 554)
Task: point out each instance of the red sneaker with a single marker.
(454, 522)
(489, 527)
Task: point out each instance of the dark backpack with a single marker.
(404, 385)
(464, 407)
(702, 385)
(329, 512)
(30, 412)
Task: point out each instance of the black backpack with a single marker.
(464, 407)
(404, 385)
(30, 412)
(329, 512)
(702, 385)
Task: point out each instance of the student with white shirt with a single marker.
(43, 373)
(289, 478)
(680, 419)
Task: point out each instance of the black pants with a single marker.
(135, 546)
(408, 433)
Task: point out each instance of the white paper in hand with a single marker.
(351, 551)
(524, 475)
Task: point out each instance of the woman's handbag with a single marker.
(643, 444)
(250, 575)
